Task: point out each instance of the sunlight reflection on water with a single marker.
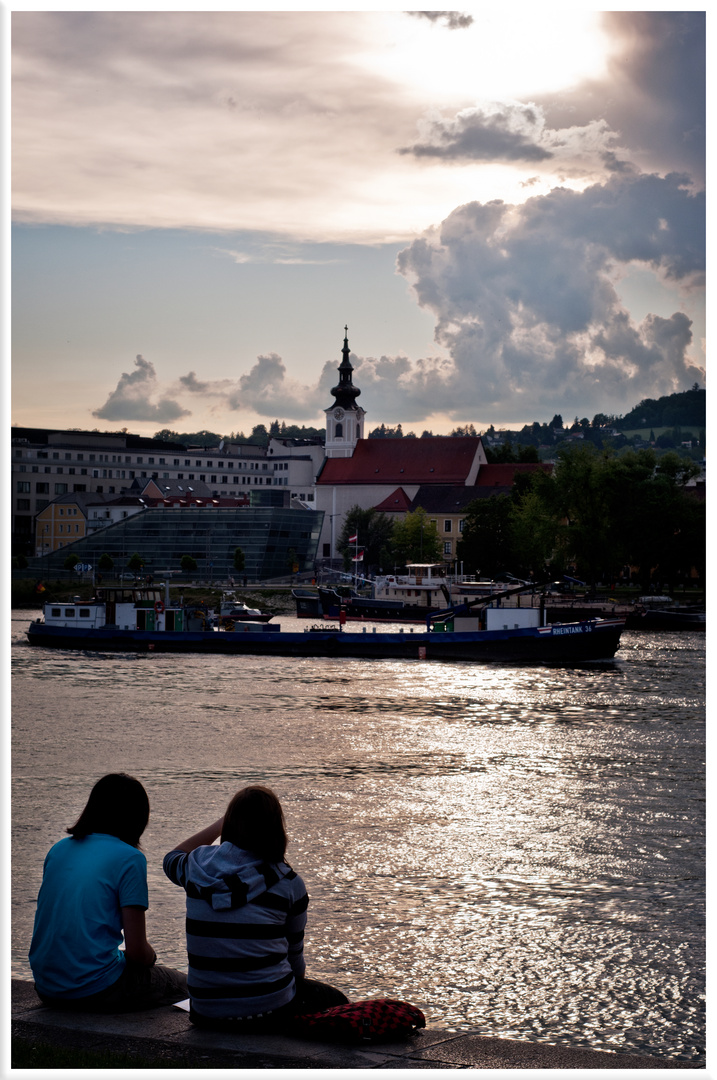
(517, 850)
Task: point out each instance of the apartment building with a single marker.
(47, 464)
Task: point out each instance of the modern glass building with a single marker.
(273, 539)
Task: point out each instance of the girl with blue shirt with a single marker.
(94, 894)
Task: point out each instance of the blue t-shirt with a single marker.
(78, 926)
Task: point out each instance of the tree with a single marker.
(19, 562)
(486, 545)
(416, 539)
(239, 559)
(71, 562)
(188, 564)
(106, 562)
(135, 563)
(580, 501)
(374, 531)
(259, 435)
(557, 421)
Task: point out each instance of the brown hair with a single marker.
(255, 822)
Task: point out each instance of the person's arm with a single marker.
(136, 947)
(204, 836)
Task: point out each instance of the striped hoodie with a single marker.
(245, 929)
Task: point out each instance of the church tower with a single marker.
(344, 419)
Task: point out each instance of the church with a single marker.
(443, 474)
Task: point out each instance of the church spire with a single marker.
(346, 393)
(344, 418)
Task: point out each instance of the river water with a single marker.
(517, 850)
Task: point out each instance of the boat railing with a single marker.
(492, 599)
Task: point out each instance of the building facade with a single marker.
(47, 464)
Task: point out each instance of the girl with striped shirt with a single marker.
(246, 913)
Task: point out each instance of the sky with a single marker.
(505, 206)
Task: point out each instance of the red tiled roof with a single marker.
(397, 500)
(439, 460)
(503, 475)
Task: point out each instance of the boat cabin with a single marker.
(424, 583)
(124, 607)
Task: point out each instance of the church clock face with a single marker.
(338, 414)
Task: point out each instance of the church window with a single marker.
(339, 431)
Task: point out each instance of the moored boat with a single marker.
(664, 613)
(410, 597)
(139, 620)
(233, 610)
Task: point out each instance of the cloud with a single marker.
(232, 121)
(131, 398)
(267, 390)
(452, 20)
(516, 132)
(506, 133)
(525, 302)
(221, 121)
(269, 255)
(653, 93)
(207, 388)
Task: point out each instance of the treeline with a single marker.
(259, 436)
(675, 411)
(595, 516)
(687, 409)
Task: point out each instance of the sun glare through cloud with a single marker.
(500, 54)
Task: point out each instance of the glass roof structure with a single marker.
(268, 536)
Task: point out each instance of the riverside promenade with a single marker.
(166, 1035)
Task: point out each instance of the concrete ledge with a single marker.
(167, 1034)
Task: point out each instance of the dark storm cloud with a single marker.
(665, 62)
(452, 20)
(131, 398)
(654, 91)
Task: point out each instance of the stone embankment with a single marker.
(167, 1035)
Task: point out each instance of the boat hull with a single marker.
(562, 644)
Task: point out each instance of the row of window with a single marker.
(43, 487)
(139, 460)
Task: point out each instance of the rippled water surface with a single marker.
(518, 850)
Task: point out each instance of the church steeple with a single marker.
(346, 393)
(344, 419)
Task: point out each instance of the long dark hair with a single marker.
(117, 805)
(255, 822)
